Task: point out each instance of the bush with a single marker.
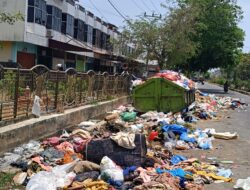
(218, 80)
(242, 85)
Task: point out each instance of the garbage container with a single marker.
(161, 95)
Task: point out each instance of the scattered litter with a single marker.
(129, 150)
(243, 184)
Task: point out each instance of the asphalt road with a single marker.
(237, 150)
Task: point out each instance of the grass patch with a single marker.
(6, 182)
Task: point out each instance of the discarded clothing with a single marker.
(175, 172)
(85, 166)
(52, 141)
(143, 175)
(128, 170)
(87, 175)
(43, 165)
(125, 140)
(65, 146)
(52, 154)
(220, 135)
(90, 184)
(214, 176)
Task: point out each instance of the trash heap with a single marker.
(170, 75)
(126, 150)
(176, 78)
(206, 106)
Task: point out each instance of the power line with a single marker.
(137, 5)
(98, 10)
(118, 11)
(145, 5)
(105, 11)
(154, 6)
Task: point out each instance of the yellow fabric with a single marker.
(89, 184)
(212, 175)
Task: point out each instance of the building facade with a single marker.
(58, 32)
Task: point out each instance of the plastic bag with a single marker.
(178, 129)
(205, 143)
(186, 138)
(177, 158)
(42, 181)
(110, 170)
(243, 184)
(36, 108)
(57, 178)
(128, 116)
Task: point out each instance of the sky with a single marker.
(136, 8)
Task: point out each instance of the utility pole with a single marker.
(151, 18)
(156, 16)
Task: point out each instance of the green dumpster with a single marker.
(161, 95)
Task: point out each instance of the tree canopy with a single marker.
(218, 35)
(194, 35)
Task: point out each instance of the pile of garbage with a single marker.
(170, 75)
(124, 151)
(206, 106)
(176, 78)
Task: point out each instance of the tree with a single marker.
(243, 67)
(218, 35)
(166, 40)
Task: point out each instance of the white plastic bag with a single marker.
(109, 168)
(57, 178)
(243, 184)
(36, 108)
(42, 181)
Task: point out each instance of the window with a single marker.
(103, 40)
(67, 24)
(90, 34)
(79, 30)
(37, 11)
(85, 32)
(54, 18)
(98, 38)
(94, 37)
(72, 2)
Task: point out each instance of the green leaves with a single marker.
(218, 34)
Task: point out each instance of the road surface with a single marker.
(237, 150)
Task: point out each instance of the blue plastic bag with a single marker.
(175, 172)
(177, 158)
(205, 143)
(178, 129)
(184, 137)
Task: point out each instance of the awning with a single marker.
(67, 47)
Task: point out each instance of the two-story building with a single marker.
(58, 32)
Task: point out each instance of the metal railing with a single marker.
(58, 90)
